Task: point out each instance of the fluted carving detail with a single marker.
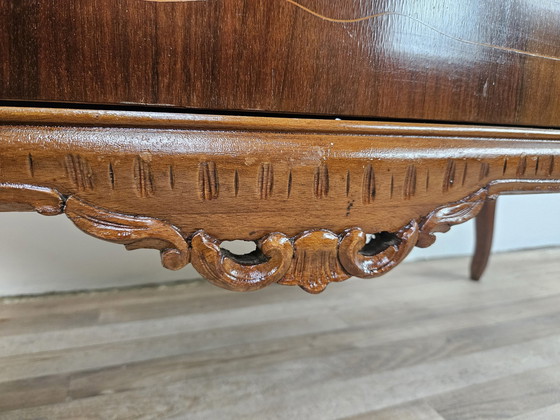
(316, 262)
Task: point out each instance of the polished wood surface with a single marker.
(484, 238)
(261, 171)
(480, 61)
(419, 344)
(307, 191)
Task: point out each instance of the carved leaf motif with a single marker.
(312, 261)
(441, 219)
(315, 263)
(378, 257)
(134, 232)
(242, 273)
(22, 197)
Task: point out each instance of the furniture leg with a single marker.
(484, 235)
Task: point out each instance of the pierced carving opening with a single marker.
(243, 252)
(378, 243)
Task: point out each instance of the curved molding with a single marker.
(324, 184)
(380, 255)
(441, 219)
(261, 171)
(311, 260)
(22, 197)
(134, 232)
(242, 273)
(515, 186)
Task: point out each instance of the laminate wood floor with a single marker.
(422, 343)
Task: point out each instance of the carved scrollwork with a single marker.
(441, 219)
(316, 262)
(22, 197)
(310, 260)
(134, 232)
(380, 255)
(242, 273)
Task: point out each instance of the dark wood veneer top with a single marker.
(481, 61)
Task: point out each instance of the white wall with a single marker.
(43, 254)
(522, 222)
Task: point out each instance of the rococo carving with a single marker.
(268, 264)
(316, 261)
(324, 200)
(45, 201)
(134, 232)
(378, 256)
(310, 260)
(444, 217)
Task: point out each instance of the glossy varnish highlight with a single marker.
(477, 61)
(243, 178)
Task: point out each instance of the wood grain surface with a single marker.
(418, 344)
(480, 61)
(484, 237)
(243, 178)
(309, 192)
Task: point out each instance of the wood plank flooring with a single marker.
(420, 343)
